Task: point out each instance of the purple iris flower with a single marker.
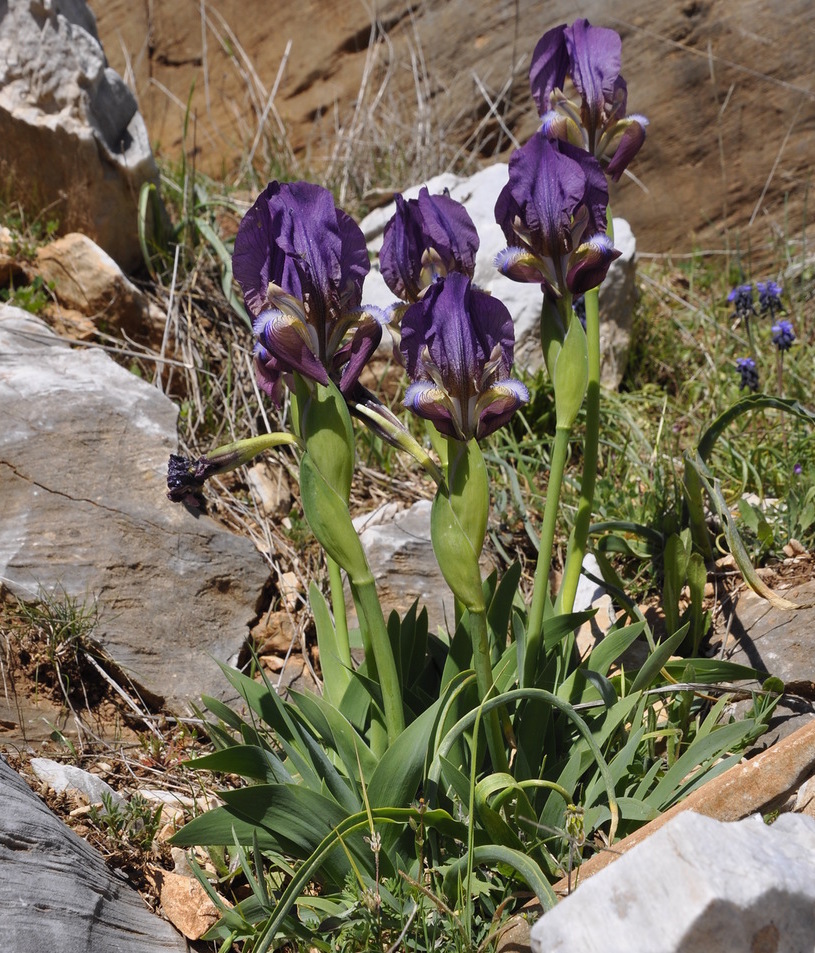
(746, 367)
(590, 55)
(783, 335)
(300, 262)
(458, 343)
(427, 238)
(769, 298)
(554, 205)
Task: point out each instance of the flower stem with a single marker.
(343, 646)
(458, 525)
(371, 617)
(578, 539)
(540, 589)
(482, 664)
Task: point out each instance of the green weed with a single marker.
(134, 823)
(33, 297)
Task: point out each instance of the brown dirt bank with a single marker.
(727, 85)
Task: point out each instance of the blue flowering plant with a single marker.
(782, 332)
(440, 755)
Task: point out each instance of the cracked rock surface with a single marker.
(83, 454)
(56, 892)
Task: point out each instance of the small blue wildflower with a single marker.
(783, 335)
(797, 469)
(746, 366)
(769, 298)
(741, 298)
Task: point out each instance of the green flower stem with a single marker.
(700, 534)
(534, 632)
(378, 731)
(482, 664)
(343, 645)
(749, 325)
(382, 420)
(232, 455)
(578, 540)
(458, 525)
(326, 471)
(372, 618)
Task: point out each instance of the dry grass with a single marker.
(383, 141)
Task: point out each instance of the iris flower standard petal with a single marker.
(458, 344)
(300, 262)
(553, 214)
(595, 56)
(590, 56)
(427, 238)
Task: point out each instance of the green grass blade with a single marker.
(646, 676)
(747, 405)
(519, 864)
(336, 674)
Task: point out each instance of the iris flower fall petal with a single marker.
(300, 262)
(457, 344)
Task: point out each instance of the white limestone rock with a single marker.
(67, 777)
(696, 886)
(400, 554)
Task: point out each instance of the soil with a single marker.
(49, 689)
(64, 707)
(334, 78)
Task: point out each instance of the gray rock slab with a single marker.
(696, 886)
(478, 193)
(83, 457)
(400, 554)
(780, 642)
(56, 893)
